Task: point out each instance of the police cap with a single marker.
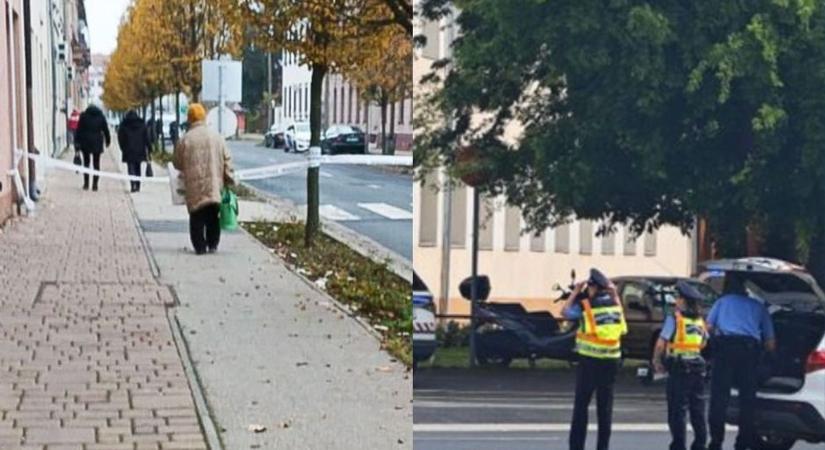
(598, 279)
(689, 292)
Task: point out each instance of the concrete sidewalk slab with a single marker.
(270, 350)
(87, 357)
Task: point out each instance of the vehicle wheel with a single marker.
(772, 442)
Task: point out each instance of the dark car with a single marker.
(343, 139)
(647, 301)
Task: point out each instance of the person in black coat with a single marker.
(135, 144)
(92, 134)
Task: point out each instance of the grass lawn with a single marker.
(369, 289)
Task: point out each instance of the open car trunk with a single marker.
(797, 307)
(797, 335)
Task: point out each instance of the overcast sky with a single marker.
(104, 18)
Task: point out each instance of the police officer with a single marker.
(682, 338)
(598, 344)
(740, 327)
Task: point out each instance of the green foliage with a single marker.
(369, 289)
(452, 335)
(642, 113)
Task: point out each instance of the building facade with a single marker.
(522, 267)
(342, 104)
(43, 59)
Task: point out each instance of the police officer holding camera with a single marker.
(597, 307)
(680, 342)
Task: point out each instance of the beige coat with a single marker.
(205, 164)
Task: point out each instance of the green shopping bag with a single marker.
(229, 210)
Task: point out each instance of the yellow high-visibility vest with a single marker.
(689, 339)
(601, 331)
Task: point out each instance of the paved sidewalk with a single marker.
(87, 357)
(270, 350)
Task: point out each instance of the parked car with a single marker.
(424, 342)
(274, 138)
(790, 403)
(343, 139)
(647, 300)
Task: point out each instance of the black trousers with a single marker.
(205, 228)
(599, 375)
(685, 392)
(90, 158)
(134, 170)
(735, 360)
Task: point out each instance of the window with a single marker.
(563, 238)
(306, 99)
(357, 108)
(586, 237)
(334, 104)
(608, 243)
(629, 242)
(349, 106)
(401, 113)
(512, 229)
(650, 243)
(458, 216)
(485, 220)
(428, 216)
(432, 32)
(538, 242)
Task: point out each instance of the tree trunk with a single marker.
(313, 224)
(160, 108)
(779, 241)
(177, 117)
(392, 130)
(383, 125)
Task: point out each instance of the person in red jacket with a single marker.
(71, 125)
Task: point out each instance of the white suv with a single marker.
(790, 402)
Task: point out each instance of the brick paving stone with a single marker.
(87, 358)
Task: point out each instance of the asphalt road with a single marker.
(373, 201)
(530, 409)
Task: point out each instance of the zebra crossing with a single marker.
(364, 211)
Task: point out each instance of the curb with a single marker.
(362, 245)
(207, 422)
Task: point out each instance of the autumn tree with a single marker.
(384, 74)
(322, 33)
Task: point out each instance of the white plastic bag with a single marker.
(176, 186)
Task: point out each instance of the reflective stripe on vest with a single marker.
(689, 338)
(600, 332)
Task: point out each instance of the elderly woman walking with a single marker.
(206, 167)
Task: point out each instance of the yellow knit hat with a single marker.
(196, 113)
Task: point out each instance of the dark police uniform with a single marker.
(598, 344)
(739, 326)
(686, 335)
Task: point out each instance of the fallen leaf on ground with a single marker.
(384, 369)
(256, 428)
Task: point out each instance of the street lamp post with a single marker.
(474, 286)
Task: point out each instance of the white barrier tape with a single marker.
(60, 164)
(275, 170)
(369, 160)
(258, 173)
(18, 182)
